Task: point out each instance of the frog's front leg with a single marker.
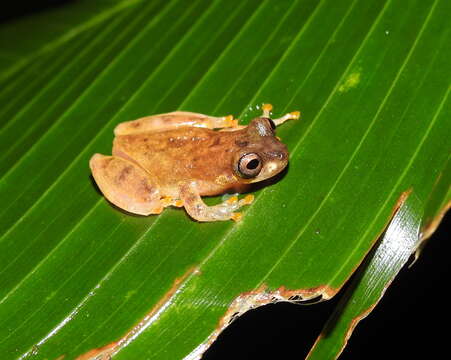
(126, 185)
(199, 211)
(174, 120)
(267, 108)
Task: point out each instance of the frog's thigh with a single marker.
(199, 211)
(174, 120)
(125, 184)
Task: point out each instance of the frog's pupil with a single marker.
(253, 164)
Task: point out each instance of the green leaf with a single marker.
(372, 81)
(399, 241)
(56, 26)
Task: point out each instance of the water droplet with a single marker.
(34, 350)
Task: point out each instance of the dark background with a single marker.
(410, 322)
(10, 10)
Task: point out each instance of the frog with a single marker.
(176, 158)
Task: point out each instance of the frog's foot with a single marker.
(126, 185)
(267, 108)
(199, 211)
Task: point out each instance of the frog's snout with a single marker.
(272, 167)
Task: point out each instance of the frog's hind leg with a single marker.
(126, 185)
(174, 120)
(199, 211)
(267, 108)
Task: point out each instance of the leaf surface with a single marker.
(372, 81)
(399, 241)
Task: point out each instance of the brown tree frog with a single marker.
(173, 159)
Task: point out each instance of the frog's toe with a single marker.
(232, 204)
(247, 200)
(178, 203)
(236, 216)
(267, 108)
(295, 114)
(232, 200)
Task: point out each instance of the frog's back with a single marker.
(186, 153)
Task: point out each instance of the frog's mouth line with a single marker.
(267, 175)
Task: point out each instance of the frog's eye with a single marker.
(249, 165)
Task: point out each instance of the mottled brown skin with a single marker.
(173, 159)
(201, 155)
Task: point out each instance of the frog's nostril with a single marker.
(277, 155)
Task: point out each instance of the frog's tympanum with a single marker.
(173, 159)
